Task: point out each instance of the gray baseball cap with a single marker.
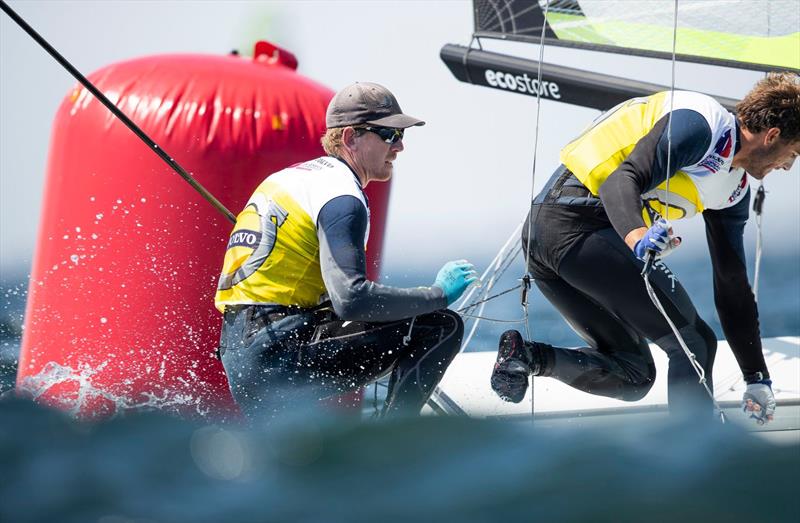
(367, 103)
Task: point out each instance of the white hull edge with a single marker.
(465, 389)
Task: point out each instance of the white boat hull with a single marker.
(549, 402)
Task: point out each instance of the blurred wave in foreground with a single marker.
(152, 468)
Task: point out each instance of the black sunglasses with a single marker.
(387, 134)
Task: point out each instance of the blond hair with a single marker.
(332, 141)
(773, 102)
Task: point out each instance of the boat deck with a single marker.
(466, 387)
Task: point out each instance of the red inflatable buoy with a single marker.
(120, 308)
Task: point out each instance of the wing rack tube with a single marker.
(559, 83)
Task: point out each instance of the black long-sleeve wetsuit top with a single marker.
(302, 238)
(623, 158)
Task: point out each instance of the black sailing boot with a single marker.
(516, 360)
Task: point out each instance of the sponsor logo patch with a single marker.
(312, 165)
(739, 188)
(522, 83)
(244, 238)
(722, 150)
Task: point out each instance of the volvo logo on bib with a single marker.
(244, 238)
(722, 150)
(522, 83)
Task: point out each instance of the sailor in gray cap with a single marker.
(301, 319)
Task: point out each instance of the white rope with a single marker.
(689, 354)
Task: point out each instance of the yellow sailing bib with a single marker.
(605, 144)
(273, 251)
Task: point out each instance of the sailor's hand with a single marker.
(454, 278)
(659, 239)
(759, 401)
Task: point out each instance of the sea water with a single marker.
(779, 306)
(152, 468)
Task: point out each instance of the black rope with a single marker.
(504, 266)
(496, 320)
(472, 305)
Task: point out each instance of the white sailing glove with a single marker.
(660, 239)
(759, 401)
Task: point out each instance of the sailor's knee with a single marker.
(640, 372)
(453, 322)
(710, 339)
(452, 332)
(636, 390)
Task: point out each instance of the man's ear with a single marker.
(772, 135)
(349, 137)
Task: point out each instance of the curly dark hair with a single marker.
(773, 102)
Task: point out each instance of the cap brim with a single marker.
(397, 121)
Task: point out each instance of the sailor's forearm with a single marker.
(370, 301)
(634, 236)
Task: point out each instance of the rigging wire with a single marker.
(480, 294)
(500, 254)
(464, 310)
(671, 108)
(527, 277)
(533, 166)
(758, 207)
(497, 268)
(501, 267)
(651, 257)
(496, 320)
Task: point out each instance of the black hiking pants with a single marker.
(280, 357)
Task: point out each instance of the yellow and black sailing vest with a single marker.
(708, 184)
(273, 251)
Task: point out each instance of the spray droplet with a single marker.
(74, 259)
(103, 320)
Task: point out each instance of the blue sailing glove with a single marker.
(659, 239)
(759, 401)
(454, 278)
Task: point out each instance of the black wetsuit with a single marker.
(584, 268)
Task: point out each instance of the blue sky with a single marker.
(463, 182)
